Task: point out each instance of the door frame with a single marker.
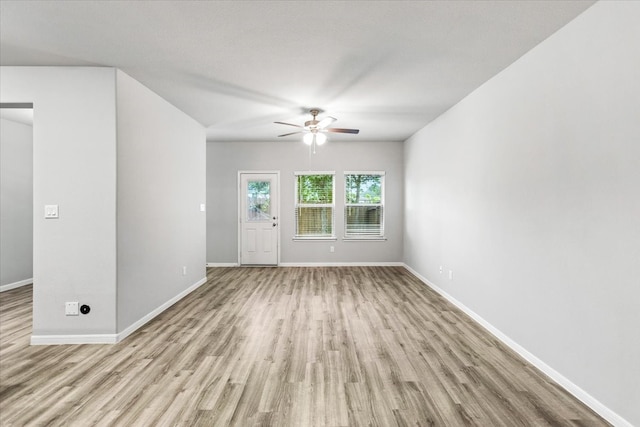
(239, 212)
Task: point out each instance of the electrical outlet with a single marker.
(71, 309)
(332, 249)
(450, 274)
(51, 211)
(441, 269)
(184, 271)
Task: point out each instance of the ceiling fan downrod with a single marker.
(313, 122)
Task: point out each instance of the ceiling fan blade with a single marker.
(289, 124)
(339, 130)
(325, 122)
(292, 133)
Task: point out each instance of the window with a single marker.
(364, 205)
(258, 200)
(314, 205)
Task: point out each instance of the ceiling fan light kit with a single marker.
(321, 138)
(314, 130)
(308, 138)
(311, 137)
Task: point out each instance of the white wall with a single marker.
(74, 164)
(161, 184)
(128, 190)
(529, 190)
(16, 204)
(224, 160)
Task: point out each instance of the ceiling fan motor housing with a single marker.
(313, 122)
(317, 127)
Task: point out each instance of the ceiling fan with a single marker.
(315, 130)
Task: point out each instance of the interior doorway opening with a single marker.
(16, 195)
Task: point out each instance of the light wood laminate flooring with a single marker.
(343, 346)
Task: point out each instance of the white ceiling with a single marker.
(386, 67)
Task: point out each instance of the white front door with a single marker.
(259, 218)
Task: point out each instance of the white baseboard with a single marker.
(73, 339)
(317, 264)
(341, 264)
(222, 264)
(137, 325)
(113, 338)
(15, 285)
(560, 379)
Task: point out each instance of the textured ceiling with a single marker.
(386, 67)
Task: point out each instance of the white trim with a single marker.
(296, 173)
(222, 264)
(135, 326)
(314, 239)
(113, 338)
(364, 239)
(74, 339)
(364, 173)
(341, 264)
(15, 285)
(560, 379)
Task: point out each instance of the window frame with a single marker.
(331, 205)
(359, 237)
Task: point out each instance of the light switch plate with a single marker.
(202, 207)
(71, 309)
(51, 211)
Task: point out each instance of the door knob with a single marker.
(274, 224)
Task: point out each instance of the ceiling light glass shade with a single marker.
(308, 138)
(321, 138)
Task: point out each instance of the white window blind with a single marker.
(314, 204)
(364, 205)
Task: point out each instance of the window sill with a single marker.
(314, 239)
(364, 239)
